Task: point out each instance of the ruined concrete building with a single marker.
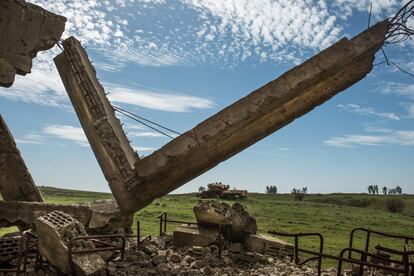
(25, 29)
(136, 182)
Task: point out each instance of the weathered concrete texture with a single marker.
(259, 114)
(100, 217)
(16, 183)
(25, 29)
(193, 235)
(104, 131)
(55, 231)
(268, 245)
(216, 213)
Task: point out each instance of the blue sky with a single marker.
(179, 62)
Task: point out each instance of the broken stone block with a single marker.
(220, 213)
(25, 29)
(16, 183)
(101, 217)
(55, 232)
(268, 245)
(193, 235)
(9, 248)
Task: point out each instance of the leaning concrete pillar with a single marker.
(103, 130)
(258, 115)
(16, 183)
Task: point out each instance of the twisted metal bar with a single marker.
(399, 29)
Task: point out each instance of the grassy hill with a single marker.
(333, 215)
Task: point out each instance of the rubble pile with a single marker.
(160, 257)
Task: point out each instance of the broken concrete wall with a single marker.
(101, 217)
(103, 130)
(16, 183)
(25, 29)
(259, 114)
(55, 231)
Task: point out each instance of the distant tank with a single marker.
(219, 190)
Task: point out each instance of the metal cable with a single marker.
(143, 123)
(146, 120)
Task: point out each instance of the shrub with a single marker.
(395, 205)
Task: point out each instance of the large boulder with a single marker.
(220, 213)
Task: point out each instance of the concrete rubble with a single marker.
(16, 183)
(55, 231)
(25, 29)
(195, 235)
(103, 217)
(135, 182)
(268, 245)
(220, 213)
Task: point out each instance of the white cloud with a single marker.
(145, 134)
(66, 132)
(379, 129)
(144, 148)
(157, 100)
(399, 138)
(31, 138)
(369, 111)
(283, 149)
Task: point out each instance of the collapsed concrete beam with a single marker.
(25, 29)
(99, 217)
(55, 231)
(218, 138)
(16, 183)
(103, 130)
(258, 115)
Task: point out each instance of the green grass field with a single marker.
(332, 215)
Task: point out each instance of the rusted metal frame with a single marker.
(297, 249)
(72, 252)
(369, 232)
(404, 270)
(138, 235)
(163, 228)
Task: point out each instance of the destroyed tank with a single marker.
(219, 190)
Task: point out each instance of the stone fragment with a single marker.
(268, 245)
(55, 232)
(9, 248)
(194, 235)
(220, 213)
(103, 217)
(25, 29)
(16, 183)
(175, 258)
(235, 248)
